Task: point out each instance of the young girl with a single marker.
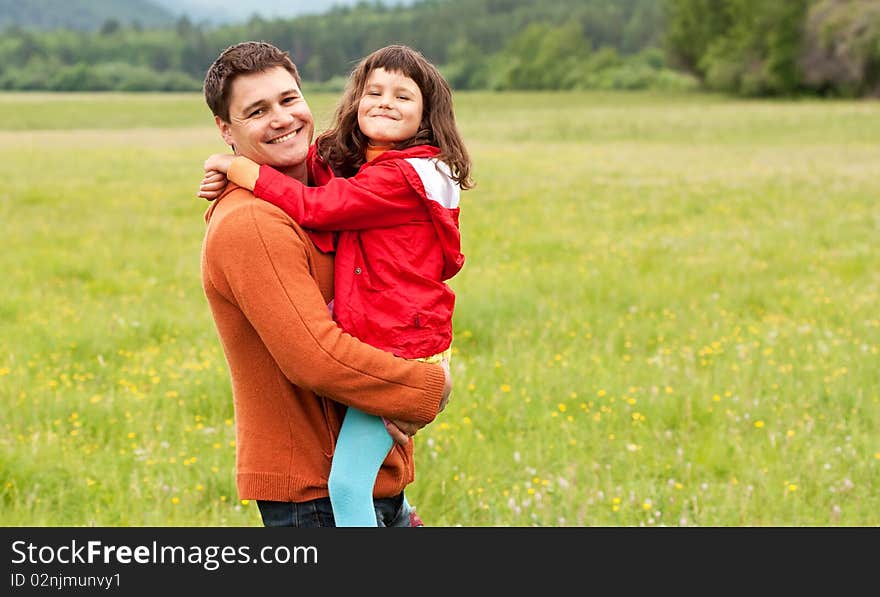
(391, 169)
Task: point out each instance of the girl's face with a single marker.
(390, 108)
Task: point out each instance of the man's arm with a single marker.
(401, 431)
(258, 259)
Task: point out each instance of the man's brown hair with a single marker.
(241, 59)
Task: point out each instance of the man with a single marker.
(293, 370)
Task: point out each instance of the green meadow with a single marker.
(668, 316)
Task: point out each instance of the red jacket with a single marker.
(398, 241)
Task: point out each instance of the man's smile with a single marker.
(284, 137)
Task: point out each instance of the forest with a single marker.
(741, 47)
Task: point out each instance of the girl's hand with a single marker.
(212, 185)
(219, 162)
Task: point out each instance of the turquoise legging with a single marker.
(361, 449)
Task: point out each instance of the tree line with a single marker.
(759, 48)
(747, 47)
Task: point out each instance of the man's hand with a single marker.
(401, 431)
(212, 185)
(447, 386)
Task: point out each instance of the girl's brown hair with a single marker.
(343, 145)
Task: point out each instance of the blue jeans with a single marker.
(390, 512)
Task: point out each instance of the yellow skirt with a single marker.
(436, 358)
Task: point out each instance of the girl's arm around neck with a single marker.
(376, 197)
(244, 172)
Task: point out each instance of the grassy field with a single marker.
(668, 316)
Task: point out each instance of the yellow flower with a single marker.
(759, 424)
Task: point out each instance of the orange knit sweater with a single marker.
(291, 366)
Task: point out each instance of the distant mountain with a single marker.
(217, 12)
(90, 15)
(83, 15)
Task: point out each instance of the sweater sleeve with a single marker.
(376, 197)
(257, 259)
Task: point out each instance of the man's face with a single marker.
(269, 120)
